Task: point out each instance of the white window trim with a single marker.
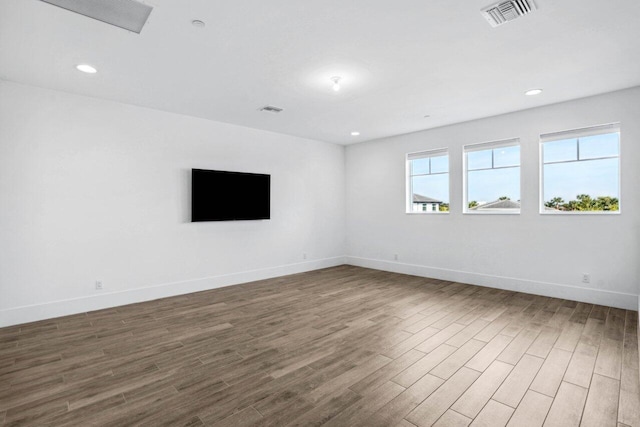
(508, 142)
(408, 190)
(576, 133)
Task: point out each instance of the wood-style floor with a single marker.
(343, 346)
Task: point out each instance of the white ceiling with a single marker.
(400, 60)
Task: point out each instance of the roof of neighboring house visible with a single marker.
(499, 204)
(418, 198)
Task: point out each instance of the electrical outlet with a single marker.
(98, 285)
(586, 278)
(395, 257)
(304, 255)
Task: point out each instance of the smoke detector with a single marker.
(506, 11)
(271, 109)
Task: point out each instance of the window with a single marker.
(581, 171)
(492, 177)
(428, 181)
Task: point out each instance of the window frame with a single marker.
(436, 152)
(578, 133)
(481, 146)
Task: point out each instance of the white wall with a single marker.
(97, 190)
(533, 253)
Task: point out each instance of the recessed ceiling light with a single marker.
(336, 83)
(198, 23)
(355, 133)
(533, 92)
(86, 69)
(426, 116)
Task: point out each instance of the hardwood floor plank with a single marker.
(489, 353)
(222, 403)
(544, 342)
(629, 404)
(494, 414)
(410, 343)
(427, 321)
(581, 313)
(338, 346)
(283, 413)
(601, 408)
(419, 369)
(581, 366)
(593, 329)
(452, 419)
(87, 413)
(431, 343)
(551, 373)
(615, 323)
(515, 386)
(532, 411)
(387, 372)
(567, 407)
(609, 360)
(406, 323)
(433, 407)
(561, 317)
(36, 411)
(365, 407)
(630, 350)
(569, 337)
(394, 411)
(149, 394)
(496, 307)
(459, 339)
(518, 346)
(494, 328)
(479, 393)
(347, 379)
(456, 313)
(247, 416)
(457, 359)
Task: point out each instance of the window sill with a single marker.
(427, 213)
(491, 213)
(589, 213)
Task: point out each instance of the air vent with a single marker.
(505, 11)
(128, 14)
(271, 109)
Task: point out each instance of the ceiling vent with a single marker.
(128, 14)
(271, 109)
(509, 10)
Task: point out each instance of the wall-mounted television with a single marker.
(229, 196)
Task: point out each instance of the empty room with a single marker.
(293, 213)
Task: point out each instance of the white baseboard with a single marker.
(32, 313)
(575, 293)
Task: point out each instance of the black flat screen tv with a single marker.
(229, 196)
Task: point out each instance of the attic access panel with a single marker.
(127, 14)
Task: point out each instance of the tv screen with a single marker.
(229, 196)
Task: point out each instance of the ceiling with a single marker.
(399, 60)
